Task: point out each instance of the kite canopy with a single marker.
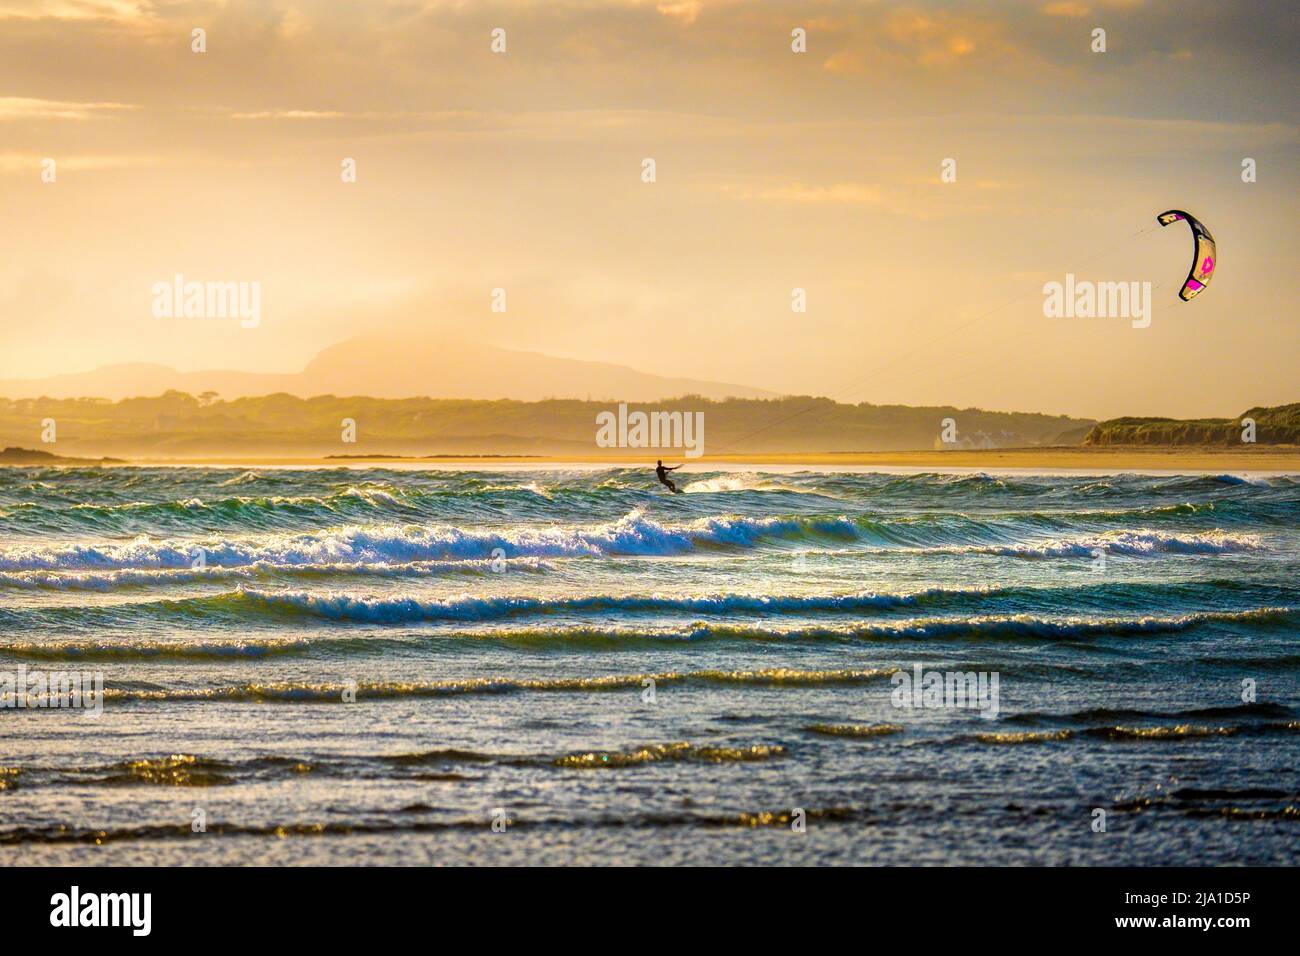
(1206, 256)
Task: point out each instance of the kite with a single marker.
(1206, 256)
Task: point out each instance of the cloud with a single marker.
(14, 108)
(931, 40)
(69, 9)
(687, 11)
(919, 200)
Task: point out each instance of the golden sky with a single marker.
(775, 170)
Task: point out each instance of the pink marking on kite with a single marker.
(1193, 284)
(1207, 266)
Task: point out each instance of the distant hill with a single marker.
(1279, 425)
(391, 366)
(179, 425)
(26, 456)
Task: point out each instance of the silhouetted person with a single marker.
(662, 474)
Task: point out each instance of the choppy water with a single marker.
(502, 631)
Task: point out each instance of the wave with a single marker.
(632, 535)
(1033, 535)
(399, 610)
(1014, 627)
(1021, 627)
(748, 819)
(142, 649)
(604, 759)
(1228, 793)
(375, 502)
(1254, 481)
(988, 612)
(251, 604)
(305, 692)
(1117, 733)
(733, 482)
(1248, 663)
(1177, 732)
(747, 481)
(1023, 737)
(247, 478)
(1124, 543)
(1290, 813)
(261, 571)
(1096, 715)
(175, 770)
(253, 513)
(855, 730)
(411, 823)
(189, 770)
(192, 770)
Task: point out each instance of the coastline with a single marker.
(1276, 458)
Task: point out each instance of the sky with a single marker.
(775, 170)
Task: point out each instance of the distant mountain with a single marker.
(384, 366)
(1279, 425)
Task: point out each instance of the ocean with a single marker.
(569, 666)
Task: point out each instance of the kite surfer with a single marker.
(662, 474)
